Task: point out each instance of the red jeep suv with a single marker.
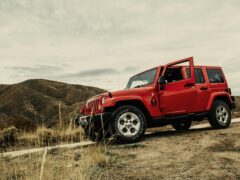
(176, 93)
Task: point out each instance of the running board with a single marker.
(165, 120)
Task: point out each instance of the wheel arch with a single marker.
(134, 102)
(223, 96)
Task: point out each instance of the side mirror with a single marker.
(161, 81)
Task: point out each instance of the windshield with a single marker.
(142, 79)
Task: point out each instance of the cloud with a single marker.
(37, 71)
(36, 68)
(131, 69)
(115, 39)
(91, 73)
(99, 72)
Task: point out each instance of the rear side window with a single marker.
(198, 75)
(215, 76)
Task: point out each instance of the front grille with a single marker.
(93, 105)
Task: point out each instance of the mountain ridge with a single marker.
(37, 101)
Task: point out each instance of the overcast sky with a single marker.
(104, 42)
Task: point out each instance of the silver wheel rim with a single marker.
(222, 114)
(129, 124)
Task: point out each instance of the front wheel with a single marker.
(220, 115)
(128, 124)
(182, 125)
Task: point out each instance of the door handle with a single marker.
(189, 85)
(204, 88)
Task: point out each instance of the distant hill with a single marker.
(32, 102)
(237, 99)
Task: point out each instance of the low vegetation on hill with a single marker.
(236, 113)
(237, 98)
(13, 139)
(30, 103)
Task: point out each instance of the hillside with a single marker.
(237, 99)
(35, 101)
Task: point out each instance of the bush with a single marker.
(48, 136)
(42, 136)
(8, 136)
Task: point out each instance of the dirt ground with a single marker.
(195, 154)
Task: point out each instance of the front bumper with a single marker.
(93, 120)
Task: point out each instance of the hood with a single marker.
(121, 93)
(128, 91)
(93, 102)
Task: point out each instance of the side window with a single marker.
(215, 76)
(198, 75)
(173, 74)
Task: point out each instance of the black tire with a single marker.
(134, 125)
(96, 134)
(220, 115)
(182, 125)
(93, 134)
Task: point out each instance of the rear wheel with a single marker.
(182, 125)
(128, 124)
(220, 115)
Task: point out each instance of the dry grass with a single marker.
(237, 100)
(196, 154)
(236, 114)
(46, 136)
(87, 163)
(90, 163)
(8, 137)
(12, 139)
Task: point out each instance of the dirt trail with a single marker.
(36, 150)
(200, 153)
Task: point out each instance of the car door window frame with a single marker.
(198, 72)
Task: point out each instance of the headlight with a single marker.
(103, 100)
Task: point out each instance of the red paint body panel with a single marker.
(181, 97)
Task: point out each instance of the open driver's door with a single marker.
(177, 96)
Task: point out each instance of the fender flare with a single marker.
(111, 102)
(218, 95)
